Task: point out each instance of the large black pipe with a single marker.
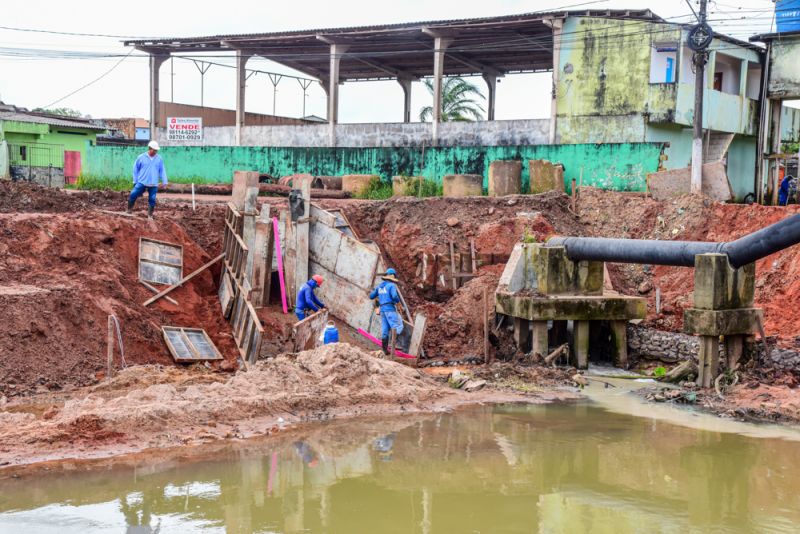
(744, 250)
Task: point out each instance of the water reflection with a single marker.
(568, 468)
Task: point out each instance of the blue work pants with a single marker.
(138, 190)
(390, 320)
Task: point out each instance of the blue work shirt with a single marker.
(147, 171)
(387, 295)
(783, 191)
(330, 335)
(306, 299)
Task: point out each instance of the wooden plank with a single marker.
(306, 332)
(183, 280)
(473, 255)
(420, 325)
(225, 294)
(155, 290)
(453, 266)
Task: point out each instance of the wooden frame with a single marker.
(188, 350)
(159, 264)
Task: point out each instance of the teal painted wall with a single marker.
(621, 167)
(742, 166)
(679, 151)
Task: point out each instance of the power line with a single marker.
(106, 73)
(76, 34)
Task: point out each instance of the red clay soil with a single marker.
(61, 275)
(695, 219)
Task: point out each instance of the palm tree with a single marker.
(459, 101)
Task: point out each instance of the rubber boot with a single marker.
(385, 346)
(150, 212)
(130, 207)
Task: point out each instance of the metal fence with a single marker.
(36, 155)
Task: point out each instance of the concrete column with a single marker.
(556, 25)
(776, 107)
(505, 178)
(337, 50)
(708, 360)
(734, 348)
(156, 60)
(405, 83)
(301, 232)
(522, 333)
(462, 185)
(491, 85)
(539, 345)
(241, 86)
(440, 44)
(580, 340)
(619, 339)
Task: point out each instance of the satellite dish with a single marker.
(700, 37)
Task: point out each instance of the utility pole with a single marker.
(699, 38)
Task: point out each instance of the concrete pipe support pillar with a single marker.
(505, 178)
(539, 345)
(522, 333)
(462, 185)
(619, 338)
(580, 341)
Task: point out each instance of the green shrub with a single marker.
(376, 189)
(424, 188)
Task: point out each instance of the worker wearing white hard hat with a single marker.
(147, 171)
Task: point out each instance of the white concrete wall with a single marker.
(484, 133)
(4, 172)
(731, 69)
(753, 81)
(658, 64)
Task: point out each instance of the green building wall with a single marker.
(72, 139)
(621, 167)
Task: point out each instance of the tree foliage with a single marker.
(460, 101)
(64, 112)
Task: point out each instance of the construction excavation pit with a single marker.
(176, 341)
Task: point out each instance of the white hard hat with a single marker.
(153, 145)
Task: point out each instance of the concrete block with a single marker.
(721, 322)
(619, 339)
(505, 178)
(462, 185)
(568, 307)
(545, 176)
(241, 181)
(718, 286)
(539, 344)
(556, 274)
(664, 185)
(356, 183)
(402, 184)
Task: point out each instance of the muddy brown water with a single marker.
(591, 466)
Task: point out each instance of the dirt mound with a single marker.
(61, 275)
(147, 402)
(457, 330)
(20, 196)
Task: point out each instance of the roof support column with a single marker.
(337, 51)
(491, 83)
(405, 83)
(440, 44)
(556, 25)
(241, 86)
(156, 60)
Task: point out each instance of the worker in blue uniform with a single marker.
(307, 302)
(388, 299)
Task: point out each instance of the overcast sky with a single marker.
(37, 82)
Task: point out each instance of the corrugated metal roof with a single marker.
(47, 119)
(610, 13)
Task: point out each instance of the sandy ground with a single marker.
(153, 407)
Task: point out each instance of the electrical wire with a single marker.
(106, 73)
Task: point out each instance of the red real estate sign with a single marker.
(184, 128)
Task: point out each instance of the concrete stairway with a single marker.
(717, 146)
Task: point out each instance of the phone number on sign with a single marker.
(184, 137)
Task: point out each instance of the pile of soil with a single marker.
(22, 196)
(62, 274)
(146, 406)
(457, 327)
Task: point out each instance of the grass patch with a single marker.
(376, 189)
(424, 188)
(124, 183)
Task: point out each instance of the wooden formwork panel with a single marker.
(160, 262)
(189, 345)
